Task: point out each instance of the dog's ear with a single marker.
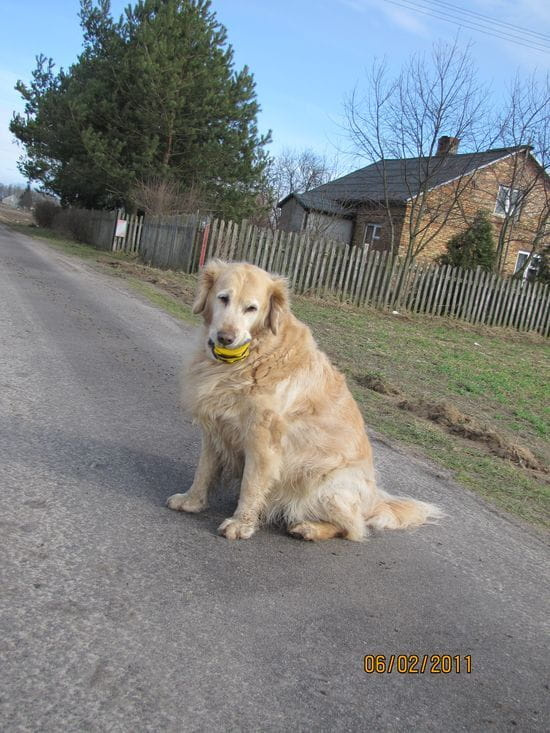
(207, 278)
(278, 302)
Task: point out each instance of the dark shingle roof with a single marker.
(404, 179)
(320, 201)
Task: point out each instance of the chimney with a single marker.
(447, 145)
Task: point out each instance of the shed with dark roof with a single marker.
(394, 180)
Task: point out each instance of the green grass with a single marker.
(59, 241)
(498, 376)
(167, 302)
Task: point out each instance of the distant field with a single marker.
(14, 216)
(472, 399)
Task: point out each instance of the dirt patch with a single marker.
(377, 383)
(456, 422)
(164, 279)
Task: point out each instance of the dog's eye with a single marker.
(251, 308)
(224, 299)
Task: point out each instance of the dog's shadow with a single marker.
(121, 468)
(144, 476)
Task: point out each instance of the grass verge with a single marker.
(498, 377)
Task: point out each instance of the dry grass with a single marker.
(15, 216)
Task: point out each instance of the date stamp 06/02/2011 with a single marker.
(417, 663)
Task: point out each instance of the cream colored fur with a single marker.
(282, 420)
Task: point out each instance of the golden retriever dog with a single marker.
(275, 413)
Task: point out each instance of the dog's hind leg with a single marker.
(315, 531)
(332, 511)
(339, 501)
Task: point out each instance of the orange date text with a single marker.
(418, 663)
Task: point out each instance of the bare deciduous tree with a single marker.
(299, 170)
(403, 119)
(524, 204)
(157, 196)
(295, 171)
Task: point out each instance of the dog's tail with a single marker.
(399, 512)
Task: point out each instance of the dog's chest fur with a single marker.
(225, 400)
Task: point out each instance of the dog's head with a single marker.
(239, 302)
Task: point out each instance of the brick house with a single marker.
(428, 201)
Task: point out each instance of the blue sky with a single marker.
(306, 55)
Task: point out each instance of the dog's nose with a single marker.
(225, 337)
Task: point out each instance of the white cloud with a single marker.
(8, 95)
(532, 14)
(9, 154)
(405, 19)
(402, 17)
(521, 14)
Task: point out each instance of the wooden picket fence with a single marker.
(330, 269)
(100, 228)
(91, 226)
(170, 242)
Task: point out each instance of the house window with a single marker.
(530, 271)
(372, 234)
(508, 201)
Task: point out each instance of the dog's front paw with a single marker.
(185, 503)
(236, 529)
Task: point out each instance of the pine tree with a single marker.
(475, 247)
(152, 96)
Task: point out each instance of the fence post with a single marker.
(205, 234)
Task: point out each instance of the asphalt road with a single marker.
(120, 615)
